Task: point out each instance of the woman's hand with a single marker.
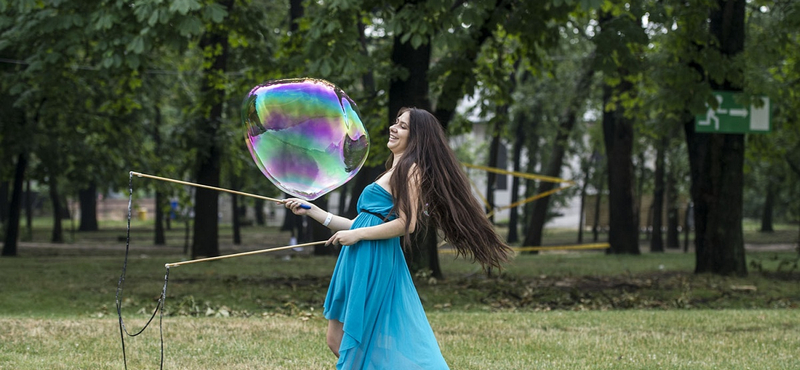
(344, 237)
(294, 204)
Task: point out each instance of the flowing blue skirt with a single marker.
(372, 294)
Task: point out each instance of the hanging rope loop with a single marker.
(123, 330)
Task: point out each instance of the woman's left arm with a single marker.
(388, 230)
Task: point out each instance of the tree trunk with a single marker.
(688, 225)
(296, 11)
(237, 224)
(491, 177)
(795, 167)
(717, 162)
(597, 203)
(500, 119)
(4, 203)
(168, 219)
(717, 178)
(15, 207)
(673, 241)
(541, 205)
(581, 218)
(422, 256)
(769, 201)
(206, 224)
(28, 198)
(513, 218)
(342, 199)
(623, 232)
(656, 239)
(413, 91)
(258, 210)
(533, 159)
(87, 198)
(186, 234)
(55, 199)
(161, 204)
(637, 207)
(236, 211)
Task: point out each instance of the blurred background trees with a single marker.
(601, 92)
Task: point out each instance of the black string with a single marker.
(159, 306)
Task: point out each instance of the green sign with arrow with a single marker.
(731, 117)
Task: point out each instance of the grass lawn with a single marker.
(635, 339)
(565, 310)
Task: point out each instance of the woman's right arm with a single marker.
(336, 223)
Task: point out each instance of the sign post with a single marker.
(731, 117)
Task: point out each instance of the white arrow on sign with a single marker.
(738, 112)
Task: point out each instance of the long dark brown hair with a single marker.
(445, 196)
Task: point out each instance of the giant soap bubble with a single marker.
(305, 135)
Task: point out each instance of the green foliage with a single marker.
(83, 82)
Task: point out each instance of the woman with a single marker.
(376, 319)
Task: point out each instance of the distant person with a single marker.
(376, 319)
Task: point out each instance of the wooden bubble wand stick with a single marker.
(139, 174)
(168, 265)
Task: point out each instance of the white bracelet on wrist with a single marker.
(327, 220)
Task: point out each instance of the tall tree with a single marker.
(87, 197)
(57, 235)
(161, 201)
(675, 173)
(12, 224)
(619, 42)
(773, 187)
(519, 139)
(716, 160)
(567, 121)
(13, 123)
(491, 177)
(214, 44)
(656, 238)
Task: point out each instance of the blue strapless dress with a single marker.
(372, 294)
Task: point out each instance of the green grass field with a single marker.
(555, 310)
(635, 339)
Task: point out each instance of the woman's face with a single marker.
(398, 134)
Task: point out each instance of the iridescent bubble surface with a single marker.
(305, 135)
